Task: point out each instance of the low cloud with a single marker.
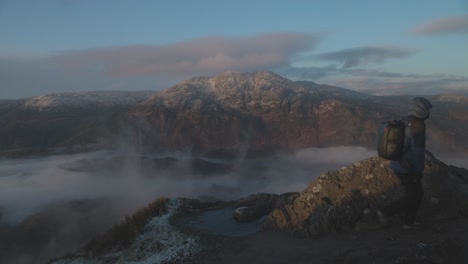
(147, 67)
(380, 82)
(28, 185)
(194, 57)
(24, 77)
(361, 56)
(448, 25)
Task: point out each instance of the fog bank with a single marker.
(27, 185)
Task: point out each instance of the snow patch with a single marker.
(85, 99)
(453, 98)
(160, 243)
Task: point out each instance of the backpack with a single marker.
(391, 140)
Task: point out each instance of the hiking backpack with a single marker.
(391, 140)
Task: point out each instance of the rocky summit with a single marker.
(348, 199)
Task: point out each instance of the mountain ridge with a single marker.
(262, 111)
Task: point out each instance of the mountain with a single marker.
(343, 201)
(230, 113)
(62, 122)
(263, 110)
(258, 110)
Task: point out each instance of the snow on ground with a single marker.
(160, 243)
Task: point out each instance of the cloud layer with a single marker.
(28, 185)
(361, 56)
(380, 82)
(194, 57)
(454, 24)
(148, 67)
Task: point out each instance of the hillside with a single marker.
(63, 122)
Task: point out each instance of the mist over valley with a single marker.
(60, 202)
(29, 185)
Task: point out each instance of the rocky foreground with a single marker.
(335, 216)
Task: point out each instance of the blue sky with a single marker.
(379, 47)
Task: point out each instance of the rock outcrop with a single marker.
(349, 198)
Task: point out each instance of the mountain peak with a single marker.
(233, 84)
(236, 78)
(260, 78)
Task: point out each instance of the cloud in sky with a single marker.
(195, 57)
(360, 56)
(380, 82)
(148, 67)
(159, 67)
(454, 24)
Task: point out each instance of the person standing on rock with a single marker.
(410, 167)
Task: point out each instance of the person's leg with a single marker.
(414, 199)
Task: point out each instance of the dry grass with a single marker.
(122, 235)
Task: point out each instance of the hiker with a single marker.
(410, 167)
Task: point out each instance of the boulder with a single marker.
(255, 206)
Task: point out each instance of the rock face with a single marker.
(348, 199)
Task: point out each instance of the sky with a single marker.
(377, 47)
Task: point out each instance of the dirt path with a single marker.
(443, 242)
